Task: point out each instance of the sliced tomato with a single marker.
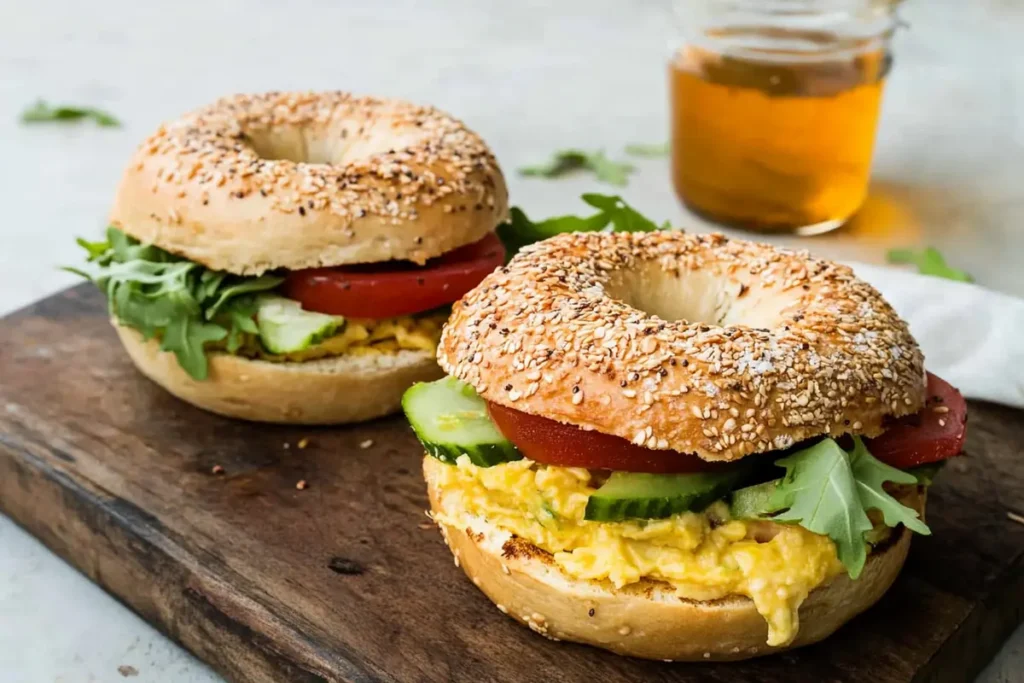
(554, 443)
(393, 288)
(936, 433)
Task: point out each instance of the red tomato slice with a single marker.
(393, 288)
(910, 441)
(936, 433)
(554, 443)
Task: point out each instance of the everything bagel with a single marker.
(289, 257)
(692, 343)
(680, 446)
(304, 180)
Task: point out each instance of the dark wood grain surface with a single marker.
(347, 581)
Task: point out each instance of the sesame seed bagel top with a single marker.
(301, 180)
(694, 343)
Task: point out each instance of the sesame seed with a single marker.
(213, 148)
(833, 354)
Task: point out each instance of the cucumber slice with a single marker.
(755, 501)
(285, 328)
(634, 495)
(450, 420)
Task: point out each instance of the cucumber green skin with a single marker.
(485, 450)
(600, 509)
(755, 501)
(484, 455)
(284, 327)
(614, 502)
(271, 332)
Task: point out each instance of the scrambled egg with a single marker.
(366, 337)
(704, 556)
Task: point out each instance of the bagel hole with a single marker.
(337, 144)
(279, 144)
(689, 296)
(697, 296)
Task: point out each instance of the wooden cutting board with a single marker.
(346, 580)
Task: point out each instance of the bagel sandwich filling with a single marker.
(279, 317)
(290, 227)
(628, 454)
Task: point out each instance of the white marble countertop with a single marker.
(530, 76)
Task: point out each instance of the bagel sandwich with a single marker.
(680, 447)
(291, 257)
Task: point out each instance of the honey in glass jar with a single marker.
(775, 104)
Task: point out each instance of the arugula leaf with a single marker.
(929, 261)
(238, 286)
(42, 112)
(568, 160)
(608, 171)
(563, 161)
(870, 474)
(240, 313)
(829, 491)
(162, 295)
(520, 231)
(186, 337)
(649, 150)
(95, 249)
(821, 492)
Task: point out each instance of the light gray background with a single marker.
(531, 77)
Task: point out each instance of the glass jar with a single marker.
(774, 109)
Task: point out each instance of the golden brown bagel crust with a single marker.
(302, 180)
(336, 390)
(647, 619)
(756, 348)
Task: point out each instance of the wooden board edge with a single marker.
(97, 534)
(989, 623)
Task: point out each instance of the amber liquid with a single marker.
(774, 145)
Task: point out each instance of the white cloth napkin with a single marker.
(971, 336)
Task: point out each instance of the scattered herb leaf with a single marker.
(929, 261)
(41, 112)
(568, 160)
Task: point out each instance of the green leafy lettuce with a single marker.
(186, 306)
(41, 112)
(929, 261)
(612, 211)
(828, 491)
(567, 160)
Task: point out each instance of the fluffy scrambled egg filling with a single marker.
(704, 556)
(361, 336)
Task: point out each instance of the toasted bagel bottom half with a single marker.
(336, 390)
(648, 619)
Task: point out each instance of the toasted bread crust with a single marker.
(648, 619)
(691, 343)
(302, 180)
(328, 391)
